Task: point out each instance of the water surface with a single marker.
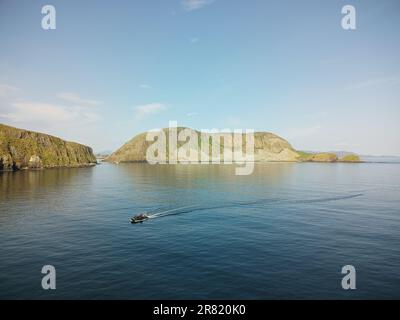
(283, 232)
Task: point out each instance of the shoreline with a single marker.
(185, 164)
(88, 165)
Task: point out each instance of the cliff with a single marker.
(22, 149)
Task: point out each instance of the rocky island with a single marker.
(23, 149)
(327, 157)
(268, 147)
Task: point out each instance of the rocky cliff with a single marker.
(21, 149)
(267, 147)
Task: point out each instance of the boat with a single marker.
(139, 218)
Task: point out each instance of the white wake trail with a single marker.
(164, 213)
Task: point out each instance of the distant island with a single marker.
(327, 157)
(268, 147)
(23, 149)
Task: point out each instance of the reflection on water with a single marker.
(283, 232)
(179, 185)
(29, 182)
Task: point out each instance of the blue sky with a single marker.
(113, 69)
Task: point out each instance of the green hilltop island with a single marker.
(268, 147)
(23, 149)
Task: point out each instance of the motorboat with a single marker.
(139, 218)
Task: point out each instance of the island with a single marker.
(24, 149)
(268, 147)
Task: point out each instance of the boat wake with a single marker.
(170, 212)
(329, 199)
(235, 204)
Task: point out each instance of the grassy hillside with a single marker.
(268, 147)
(21, 149)
(350, 158)
(327, 157)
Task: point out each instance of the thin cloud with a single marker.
(192, 114)
(50, 114)
(390, 81)
(76, 99)
(145, 86)
(194, 40)
(190, 5)
(6, 89)
(146, 110)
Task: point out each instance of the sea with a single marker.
(284, 232)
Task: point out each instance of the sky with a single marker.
(113, 69)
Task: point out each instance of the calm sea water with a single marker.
(283, 232)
